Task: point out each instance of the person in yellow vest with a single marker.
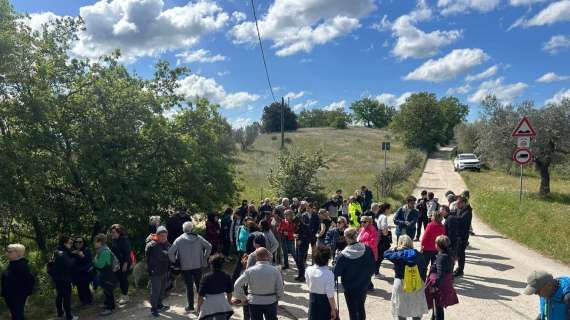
(354, 212)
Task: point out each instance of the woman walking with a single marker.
(408, 297)
(434, 229)
(439, 286)
(82, 271)
(384, 235)
(103, 263)
(17, 281)
(215, 293)
(121, 247)
(320, 280)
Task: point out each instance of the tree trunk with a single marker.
(544, 169)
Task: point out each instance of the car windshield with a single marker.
(468, 157)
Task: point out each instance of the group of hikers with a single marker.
(347, 238)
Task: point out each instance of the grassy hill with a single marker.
(354, 158)
(540, 222)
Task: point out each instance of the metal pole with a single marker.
(385, 159)
(283, 122)
(521, 191)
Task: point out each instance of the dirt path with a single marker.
(495, 272)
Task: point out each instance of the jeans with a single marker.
(261, 311)
(429, 257)
(63, 299)
(301, 256)
(158, 285)
(16, 306)
(355, 303)
(191, 277)
(123, 278)
(81, 281)
(287, 247)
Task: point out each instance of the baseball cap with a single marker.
(536, 281)
(161, 229)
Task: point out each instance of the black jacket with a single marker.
(64, 264)
(83, 265)
(157, 259)
(121, 247)
(442, 266)
(17, 280)
(355, 265)
(174, 225)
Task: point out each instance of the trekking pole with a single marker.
(337, 300)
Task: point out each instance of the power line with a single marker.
(262, 52)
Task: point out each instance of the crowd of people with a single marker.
(348, 239)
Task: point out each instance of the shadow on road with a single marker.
(475, 289)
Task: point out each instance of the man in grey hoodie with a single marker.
(192, 251)
(355, 266)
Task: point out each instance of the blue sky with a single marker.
(328, 53)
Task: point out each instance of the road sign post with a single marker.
(524, 132)
(385, 148)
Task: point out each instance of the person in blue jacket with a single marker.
(554, 295)
(406, 218)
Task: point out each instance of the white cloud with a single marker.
(143, 28)
(201, 55)
(305, 105)
(457, 62)
(223, 73)
(415, 43)
(38, 20)
(559, 96)
(556, 43)
(298, 26)
(459, 90)
(195, 86)
(491, 71)
(238, 16)
(555, 12)
(504, 92)
(525, 2)
(392, 100)
(551, 77)
(240, 122)
(449, 7)
(295, 95)
(338, 105)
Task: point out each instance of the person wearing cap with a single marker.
(554, 295)
(158, 265)
(406, 218)
(192, 251)
(264, 287)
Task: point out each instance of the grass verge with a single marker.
(539, 222)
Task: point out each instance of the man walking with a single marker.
(192, 252)
(158, 264)
(264, 285)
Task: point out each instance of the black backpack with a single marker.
(51, 266)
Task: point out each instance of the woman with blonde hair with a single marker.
(408, 297)
(17, 281)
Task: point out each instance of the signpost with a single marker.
(385, 148)
(524, 132)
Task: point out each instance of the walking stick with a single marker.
(337, 300)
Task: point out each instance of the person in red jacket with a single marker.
(434, 229)
(287, 231)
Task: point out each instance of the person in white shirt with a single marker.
(384, 235)
(320, 280)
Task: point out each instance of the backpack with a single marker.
(432, 206)
(412, 280)
(115, 264)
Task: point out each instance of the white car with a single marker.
(465, 161)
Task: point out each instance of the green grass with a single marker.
(540, 222)
(354, 158)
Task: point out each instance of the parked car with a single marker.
(466, 161)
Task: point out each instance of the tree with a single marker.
(319, 118)
(271, 118)
(453, 113)
(246, 136)
(419, 123)
(466, 136)
(338, 119)
(295, 174)
(372, 113)
(84, 144)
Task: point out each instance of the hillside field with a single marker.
(354, 158)
(539, 222)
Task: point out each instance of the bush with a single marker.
(295, 174)
(387, 180)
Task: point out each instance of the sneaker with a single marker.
(105, 312)
(189, 308)
(124, 299)
(155, 313)
(163, 307)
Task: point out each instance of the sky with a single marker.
(329, 53)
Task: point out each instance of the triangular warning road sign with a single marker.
(524, 129)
